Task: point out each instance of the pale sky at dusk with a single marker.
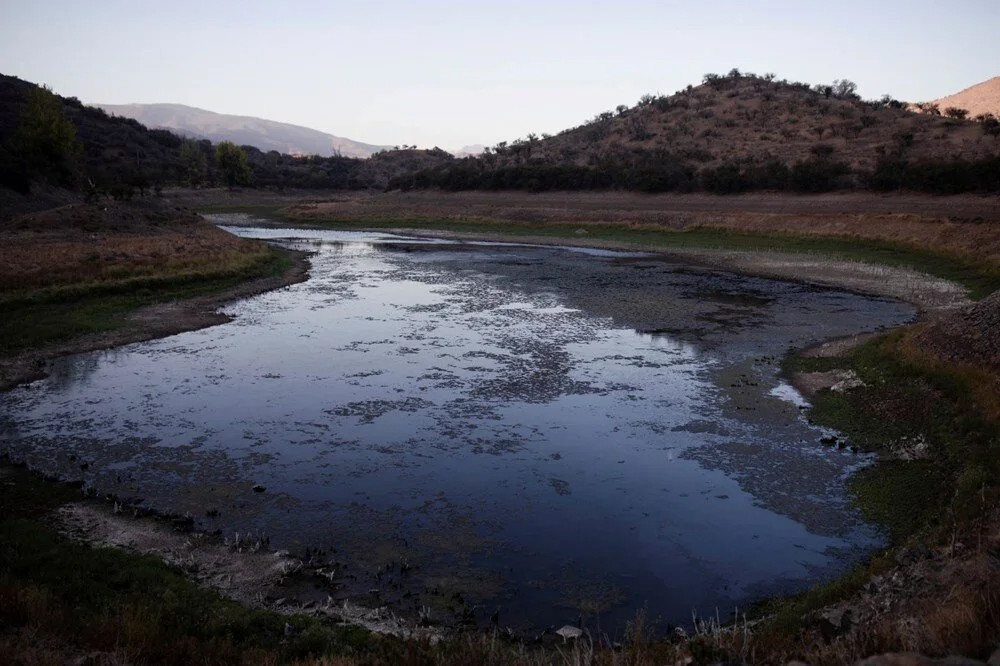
(455, 73)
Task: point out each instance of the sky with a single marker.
(445, 73)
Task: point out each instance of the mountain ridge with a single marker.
(262, 133)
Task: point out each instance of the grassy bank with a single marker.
(936, 491)
(49, 314)
(940, 453)
(980, 278)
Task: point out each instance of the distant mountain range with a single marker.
(243, 130)
(981, 98)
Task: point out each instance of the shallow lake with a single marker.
(547, 432)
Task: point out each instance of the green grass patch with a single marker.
(905, 405)
(979, 279)
(924, 420)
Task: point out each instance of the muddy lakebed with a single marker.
(467, 428)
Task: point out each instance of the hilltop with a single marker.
(265, 135)
(749, 118)
(981, 98)
(739, 132)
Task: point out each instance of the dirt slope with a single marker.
(981, 98)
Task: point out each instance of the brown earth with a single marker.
(240, 569)
(981, 98)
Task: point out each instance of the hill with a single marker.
(119, 155)
(738, 132)
(266, 135)
(981, 98)
(111, 149)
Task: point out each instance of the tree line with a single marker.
(649, 173)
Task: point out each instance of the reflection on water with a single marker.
(489, 415)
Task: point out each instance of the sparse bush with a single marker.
(957, 113)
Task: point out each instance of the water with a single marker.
(492, 416)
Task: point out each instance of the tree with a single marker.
(194, 162)
(45, 139)
(929, 108)
(845, 89)
(231, 160)
(955, 112)
(990, 123)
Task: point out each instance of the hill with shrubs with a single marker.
(59, 142)
(740, 132)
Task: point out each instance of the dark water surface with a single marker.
(490, 415)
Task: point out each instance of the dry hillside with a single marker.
(981, 98)
(749, 118)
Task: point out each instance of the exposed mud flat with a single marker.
(466, 428)
(241, 569)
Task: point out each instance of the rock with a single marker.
(259, 488)
(849, 380)
(569, 632)
(829, 440)
(834, 621)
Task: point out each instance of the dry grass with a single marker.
(873, 218)
(35, 255)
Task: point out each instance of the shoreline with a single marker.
(170, 318)
(150, 322)
(926, 292)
